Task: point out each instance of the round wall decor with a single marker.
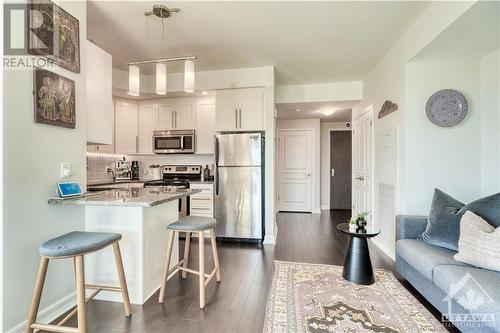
(446, 108)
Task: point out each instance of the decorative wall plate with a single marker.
(447, 108)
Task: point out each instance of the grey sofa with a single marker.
(432, 270)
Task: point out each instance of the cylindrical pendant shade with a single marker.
(134, 80)
(161, 79)
(189, 76)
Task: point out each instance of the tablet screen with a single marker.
(69, 189)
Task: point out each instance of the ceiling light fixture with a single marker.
(297, 110)
(328, 112)
(161, 68)
(189, 76)
(134, 80)
(204, 92)
(161, 79)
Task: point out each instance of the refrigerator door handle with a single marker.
(216, 166)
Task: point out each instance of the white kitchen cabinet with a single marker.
(202, 204)
(126, 127)
(99, 96)
(205, 126)
(148, 118)
(240, 109)
(176, 114)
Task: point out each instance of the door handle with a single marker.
(360, 178)
(216, 166)
(332, 173)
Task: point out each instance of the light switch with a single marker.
(65, 169)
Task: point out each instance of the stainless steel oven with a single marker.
(174, 141)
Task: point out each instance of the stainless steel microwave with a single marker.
(173, 142)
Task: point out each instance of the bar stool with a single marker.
(75, 245)
(190, 225)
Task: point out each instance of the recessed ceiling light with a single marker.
(328, 112)
(297, 110)
(204, 92)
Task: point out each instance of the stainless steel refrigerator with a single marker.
(239, 184)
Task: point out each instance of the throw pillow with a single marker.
(479, 242)
(443, 227)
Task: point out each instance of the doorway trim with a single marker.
(313, 174)
(367, 111)
(330, 130)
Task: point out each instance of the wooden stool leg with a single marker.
(121, 276)
(201, 242)
(37, 293)
(80, 294)
(167, 266)
(186, 253)
(215, 254)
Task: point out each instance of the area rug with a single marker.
(314, 298)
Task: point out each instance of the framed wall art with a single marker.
(54, 99)
(55, 34)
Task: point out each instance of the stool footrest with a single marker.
(54, 328)
(106, 288)
(209, 277)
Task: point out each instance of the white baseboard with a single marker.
(325, 207)
(316, 211)
(269, 240)
(51, 313)
(384, 249)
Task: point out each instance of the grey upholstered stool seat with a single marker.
(77, 242)
(191, 223)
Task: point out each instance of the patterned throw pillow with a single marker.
(479, 242)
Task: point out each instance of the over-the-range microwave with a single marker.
(173, 141)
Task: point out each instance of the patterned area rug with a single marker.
(315, 298)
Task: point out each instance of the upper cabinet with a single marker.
(99, 95)
(126, 127)
(176, 114)
(240, 109)
(148, 117)
(205, 126)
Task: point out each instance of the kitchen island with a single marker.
(141, 215)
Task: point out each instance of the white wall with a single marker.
(313, 124)
(33, 153)
(322, 92)
(446, 158)
(326, 128)
(386, 82)
(490, 123)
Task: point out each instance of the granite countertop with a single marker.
(135, 197)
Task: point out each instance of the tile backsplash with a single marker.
(97, 163)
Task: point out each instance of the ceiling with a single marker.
(307, 42)
(312, 110)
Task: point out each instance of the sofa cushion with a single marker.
(479, 243)
(487, 280)
(424, 257)
(443, 228)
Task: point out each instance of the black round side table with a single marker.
(357, 265)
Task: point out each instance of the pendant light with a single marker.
(189, 76)
(161, 79)
(133, 80)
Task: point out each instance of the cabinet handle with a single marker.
(173, 124)
(240, 118)
(136, 143)
(236, 117)
(175, 118)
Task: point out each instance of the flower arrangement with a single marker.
(358, 221)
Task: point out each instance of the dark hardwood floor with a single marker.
(237, 304)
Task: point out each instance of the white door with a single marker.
(166, 116)
(147, 123)
(363, 165)
(184, 116)
(205, 128)
(227, 109)
(251, 109)
(126, 127)
(295, 170)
